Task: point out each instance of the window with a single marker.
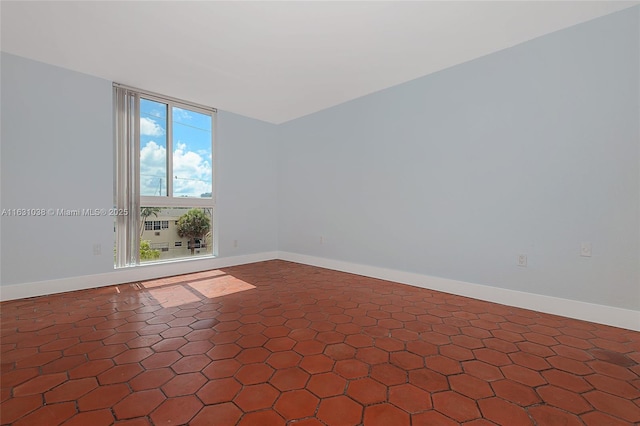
(150, 225)
(164, 160)
(196, 244)
(178, 243)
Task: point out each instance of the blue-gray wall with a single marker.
(532, 150)
(57, 152)
(246, 181)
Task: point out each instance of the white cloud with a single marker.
(181, 113)
(153, 169)
(149, 127)
(191, 171)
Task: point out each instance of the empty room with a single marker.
(320, 213)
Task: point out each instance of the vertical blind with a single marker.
(127, 185)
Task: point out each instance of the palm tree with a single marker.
(145, 212)
(193, 224)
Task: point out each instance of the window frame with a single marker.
(127, 171)
(170, 200)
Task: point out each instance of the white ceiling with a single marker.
(275, 61)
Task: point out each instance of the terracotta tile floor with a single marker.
(277, 343)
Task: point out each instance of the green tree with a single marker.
(145, 212)
(194, 224)
(147, 253)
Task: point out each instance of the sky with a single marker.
(191, 150)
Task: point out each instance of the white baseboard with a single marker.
(126, 275)
(609, 315)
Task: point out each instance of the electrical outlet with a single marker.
(585, 250)
(522, 260)
(97, 249)
(235, 243)
(321, 239)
